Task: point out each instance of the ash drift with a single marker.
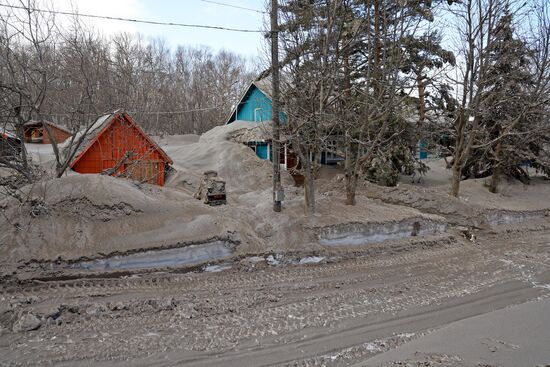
(95, 216)
(360, 283)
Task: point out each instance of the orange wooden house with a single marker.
(116, 145)
(36, 132)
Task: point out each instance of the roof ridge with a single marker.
(95, 133)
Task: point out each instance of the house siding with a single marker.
(111, 146)
(262, 150)
(38, 134)
(59, 135)
(256, 107)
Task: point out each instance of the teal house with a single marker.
(255, 106)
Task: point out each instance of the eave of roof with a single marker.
(51, 124)
(7, 135)
(104, 125)
(262, 85)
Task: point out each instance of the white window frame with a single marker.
(256, 114)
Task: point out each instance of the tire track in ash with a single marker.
(215, 313)
(209, 282)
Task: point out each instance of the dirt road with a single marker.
(510, 337)
(331, 314)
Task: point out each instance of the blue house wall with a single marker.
(422, 149)
(262, 150)
(255, 107)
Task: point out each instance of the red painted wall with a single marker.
(31, 133)
(111, 146)
(59, 135)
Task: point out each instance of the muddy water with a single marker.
(188, 255)
(356, 235)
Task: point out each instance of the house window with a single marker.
(258, 115)
(331, 150)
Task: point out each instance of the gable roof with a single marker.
(4, 134)
(35, 123)
(101, 125)
(263, 85)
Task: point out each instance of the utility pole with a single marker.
(277, 189)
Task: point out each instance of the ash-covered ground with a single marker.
(103, 271)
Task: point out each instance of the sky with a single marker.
(178, 11)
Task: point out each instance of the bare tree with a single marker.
(500, 121)
(476, 22)
(378, 136)
(27, 51)
(311, 46)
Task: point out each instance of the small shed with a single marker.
(116, 145)
(36, 132)
(10, 145)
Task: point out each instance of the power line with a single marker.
(174, 112)
(132, 20)
(145, 112)
(233, 6)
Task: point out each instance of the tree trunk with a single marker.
(377, 49)
(20, 132)
(459, 152)
(421, 97)
(495, 176)
(349, 172)
(455, 183)
(351, 186)
(351, 181)
(309, 191)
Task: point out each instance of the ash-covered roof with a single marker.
(265, 86)
(85, 136)
(35, 123)
(89, 135)
(254, 132)
(7, 135)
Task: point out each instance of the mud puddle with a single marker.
(174, 257)
(284, 260)
(363, 234)
(217, 268)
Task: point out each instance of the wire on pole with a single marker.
(233, 6)
(132, 20)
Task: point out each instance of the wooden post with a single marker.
(277, 189)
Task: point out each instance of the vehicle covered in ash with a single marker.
(211, 189)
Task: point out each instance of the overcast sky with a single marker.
(178, 11)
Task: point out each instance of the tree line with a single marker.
(371, 81)
(63, 71)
